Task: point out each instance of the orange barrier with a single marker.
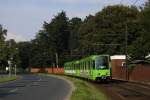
(35, 70)
(59, 70)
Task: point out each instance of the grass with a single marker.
(7, 78)
(85, 91)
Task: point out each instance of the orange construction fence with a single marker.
(59, 70)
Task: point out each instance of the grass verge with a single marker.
(7, 78)
(85, 91)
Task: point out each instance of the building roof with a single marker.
(118, 57)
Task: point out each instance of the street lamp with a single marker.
(57, 60)
(9, 64)
(15, 64)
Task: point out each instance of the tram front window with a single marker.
(102, 62)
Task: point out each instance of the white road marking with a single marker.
(14, 90)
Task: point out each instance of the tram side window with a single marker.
(73, 67)
(89, 65)
(81, 65)
(93, 64)
(66, 67)
(76, 66)
(70, 67)
(85, 65)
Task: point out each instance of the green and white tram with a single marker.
(95, 67)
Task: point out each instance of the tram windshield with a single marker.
(102, 62)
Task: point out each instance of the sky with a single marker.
(24, 18)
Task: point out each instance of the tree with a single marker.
(141, 46)
(3, 54)
(107, 29)
(74, 25)
(24, 54)
(51, 40)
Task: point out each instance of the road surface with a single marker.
(34, 87)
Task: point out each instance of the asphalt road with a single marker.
(34, 87)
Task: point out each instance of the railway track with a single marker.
(118, 90)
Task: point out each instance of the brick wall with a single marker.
(118, 71)
(140, 73)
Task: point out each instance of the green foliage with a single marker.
(3, 53)
(8, 50)
(74, 25)
(107, 28)
(3, 33)
(24, 54)
(141, 46)
(52, 39)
